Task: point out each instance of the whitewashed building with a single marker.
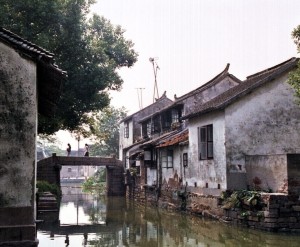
(247, 137)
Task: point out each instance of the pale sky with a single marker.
(195, 39)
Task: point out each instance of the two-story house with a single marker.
(249, 136)
(131, 132)
(165, 135)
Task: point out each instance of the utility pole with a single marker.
(155, 68)
(140, 96)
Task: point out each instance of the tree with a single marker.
(91, 50)
(294, 76)
(106, 131)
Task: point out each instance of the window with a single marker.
(205, 142)
(175, 116)
(166, 120)
(156, 125)
(185, 159)
(126, 130)
(167, 158)
(149, 128)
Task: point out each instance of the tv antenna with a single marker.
(155, 68)
(140, 96)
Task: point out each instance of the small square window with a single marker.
(185, 160)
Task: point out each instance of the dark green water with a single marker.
(87, 220)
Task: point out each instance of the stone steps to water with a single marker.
(47, 202)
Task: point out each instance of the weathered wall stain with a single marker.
(17, 128)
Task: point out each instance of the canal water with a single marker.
(91, 220)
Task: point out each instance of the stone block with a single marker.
(296, 208)
(295, 225)
(292, 219)
(274, 206)
(284, 210)
(253, 218)
(271, 213)
(271, 220)
(283, 219)
(270, 225)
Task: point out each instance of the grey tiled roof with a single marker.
(180, 100)
(251, 83)
(209, 84)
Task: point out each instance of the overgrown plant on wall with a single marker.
(294, 76)
(242, 199)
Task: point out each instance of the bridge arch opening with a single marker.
(49, 170)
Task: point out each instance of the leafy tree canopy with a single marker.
(105, 129)
(294, 76)
(87, 46)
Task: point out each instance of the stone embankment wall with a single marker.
(280, 212)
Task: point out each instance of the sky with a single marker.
(193, 40)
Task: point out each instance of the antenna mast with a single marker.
(140, 96)
(155, 68)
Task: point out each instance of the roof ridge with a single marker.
(207, 84)
(164, 96)
(222, 100)
(269, 69)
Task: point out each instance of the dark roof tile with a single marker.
(252, 82)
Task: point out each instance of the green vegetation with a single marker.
(86, 45)
(294, 76)
(96, 184)
(105, 129)
(242, 199)
(44, 186)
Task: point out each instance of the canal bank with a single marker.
(90, 220)
(276, 212)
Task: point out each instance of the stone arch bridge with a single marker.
(49, 170)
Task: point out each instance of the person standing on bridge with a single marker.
(86, 150)
(69, 149)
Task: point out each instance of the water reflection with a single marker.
(87, 220)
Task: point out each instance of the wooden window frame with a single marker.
(167, 158)
(205, 142)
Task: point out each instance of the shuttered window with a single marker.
(205, 142)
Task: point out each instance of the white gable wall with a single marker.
(265, 122)
(125, 142)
